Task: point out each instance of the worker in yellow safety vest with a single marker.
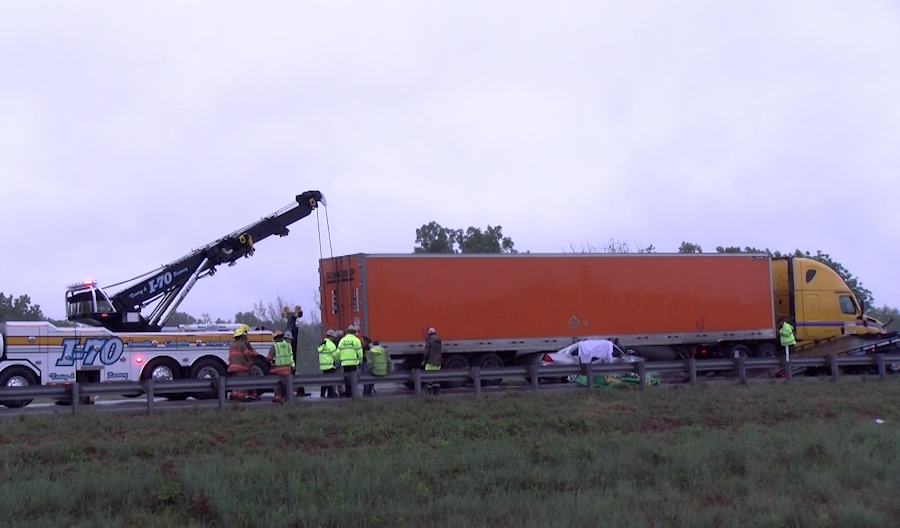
(282, 358)
(786, 335)
(378, 362)
(327, 361)
(350, 354)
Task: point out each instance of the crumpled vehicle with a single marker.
(589, 351)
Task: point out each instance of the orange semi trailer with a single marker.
(493, 310)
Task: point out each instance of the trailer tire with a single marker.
(766, 350)
(738, 350)
(489, 361)
(17, 376)
(454, 362)
(207, 368)
(164, 369)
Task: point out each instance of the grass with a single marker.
(807, 454)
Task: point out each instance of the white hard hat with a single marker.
(288, 335)
(431, 331)
(330, 333)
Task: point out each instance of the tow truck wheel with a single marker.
(260, 367)
(164, 369)
(207, 369)
(17, 377)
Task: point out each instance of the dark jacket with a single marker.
(433, 350)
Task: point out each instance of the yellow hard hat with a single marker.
(241, 330)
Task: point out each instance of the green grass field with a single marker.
(808, 454)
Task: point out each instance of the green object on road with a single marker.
(631, 381)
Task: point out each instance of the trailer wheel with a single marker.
(767, 350)
(454, 362)
(164, 369)
(738, 350)
(207, 369)
(17, 376)
(489, 361)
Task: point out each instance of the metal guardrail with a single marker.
(218, 388)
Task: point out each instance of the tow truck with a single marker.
(112, 339)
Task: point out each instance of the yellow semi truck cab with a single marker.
(819, 304)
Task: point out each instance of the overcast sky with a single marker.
(130, 135)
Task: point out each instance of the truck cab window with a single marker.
(847, 305)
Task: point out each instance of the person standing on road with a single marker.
(282, 359)
(379, 364)
(293, 327)
(327, 362)
(351, 354)
(788, 340)
(240, 357)
(432, 359)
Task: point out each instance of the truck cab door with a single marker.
(848, 312)
(822, 321)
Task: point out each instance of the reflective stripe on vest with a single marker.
(350, 350)
(284, 356)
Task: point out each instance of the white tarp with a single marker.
(592, 350)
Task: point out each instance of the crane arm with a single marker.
(173, 281)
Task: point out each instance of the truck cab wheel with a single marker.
(17, 376)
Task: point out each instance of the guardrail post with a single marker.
(835, 371)
(151, 397)
(589, 373)
(76, 397)
(289, 388)
(417, 382)
(879, 357)
(220, 389)
(476, 380)
(642, 374)
(741, 364)
(692, 367)
(354, 380)
(788, 371)
(534, 376)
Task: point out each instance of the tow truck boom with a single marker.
(121, 312)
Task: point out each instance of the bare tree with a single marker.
(612, 246)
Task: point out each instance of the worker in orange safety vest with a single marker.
(241, 356)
